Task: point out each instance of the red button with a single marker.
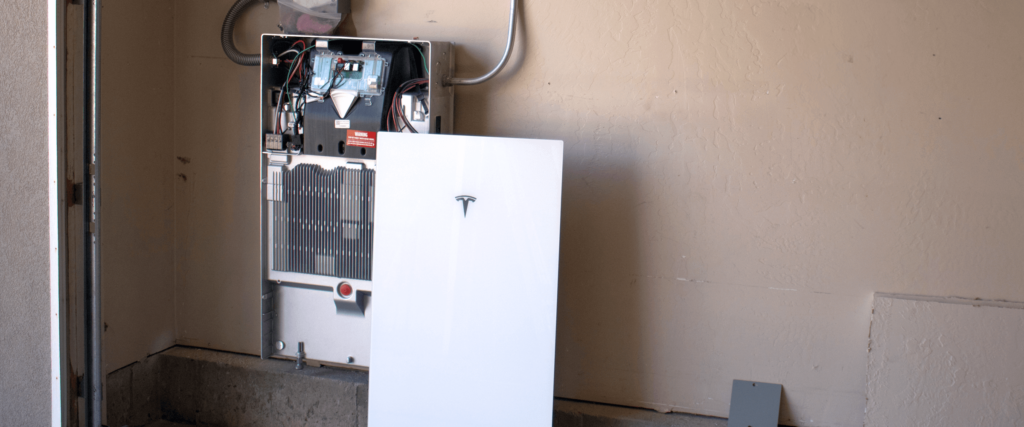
(345, 290)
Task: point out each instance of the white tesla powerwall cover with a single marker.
(465, 281)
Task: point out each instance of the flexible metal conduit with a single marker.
(91, 208)
(451, 81)
(227, 38)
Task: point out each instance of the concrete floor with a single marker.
(196, 387)
(164, 423)
(584, 414)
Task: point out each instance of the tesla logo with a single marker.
(466, 200)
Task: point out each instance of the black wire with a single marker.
(277, 47)
(396, 103)
(305, 72)
(335, 83)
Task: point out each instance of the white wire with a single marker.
(289, 50)
(277, 114)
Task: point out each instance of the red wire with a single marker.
(395, 102)
(295, 69)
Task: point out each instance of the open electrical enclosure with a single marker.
(315, 90)
(323, 100)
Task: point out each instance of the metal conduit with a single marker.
(453, 81)
(227, 38)
(91, 207)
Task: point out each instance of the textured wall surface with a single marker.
(936, 363)
(138, 179)
(24, 218)
(740, 177)
(216, 190)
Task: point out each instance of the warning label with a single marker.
(359, 138)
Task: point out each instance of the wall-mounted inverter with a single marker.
(324, 102)
(374, 215)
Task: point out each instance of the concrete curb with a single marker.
(211, 388)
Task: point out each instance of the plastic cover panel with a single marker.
(368, 79)
(465, 291)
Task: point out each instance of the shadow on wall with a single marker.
(785, 412)
(347, 27)
(599, 303)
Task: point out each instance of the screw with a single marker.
(300, 357)
(280, 345)
(351, 359)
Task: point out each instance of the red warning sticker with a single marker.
(360, 138)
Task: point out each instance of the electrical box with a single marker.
(324, 101)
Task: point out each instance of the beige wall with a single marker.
(24, 217)
(740, 177)
(138, 179)
(216, 191)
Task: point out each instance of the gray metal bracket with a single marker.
(754, 404)
(267, 325)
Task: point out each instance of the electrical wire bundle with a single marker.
(303, 83)
(297, 89)
(396, 112)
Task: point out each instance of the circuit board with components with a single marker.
(363, 73)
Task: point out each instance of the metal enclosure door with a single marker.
(465, 281)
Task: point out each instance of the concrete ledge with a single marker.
(210, 388)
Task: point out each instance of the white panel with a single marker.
(57, 321)
(465, 299)
(945, 363)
